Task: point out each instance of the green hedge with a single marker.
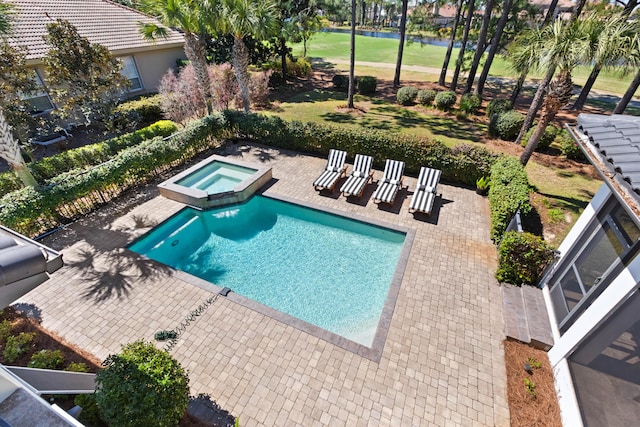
(522, 257)
(461, 164)
(509, 192)
(88, 155)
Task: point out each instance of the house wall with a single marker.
(153, 64)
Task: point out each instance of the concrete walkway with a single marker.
(442, 363)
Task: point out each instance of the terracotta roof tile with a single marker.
(109, 24)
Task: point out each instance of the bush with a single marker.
(367, 85)
(522, 257)
(181, 99)
(90, 414)
(407, 95)
(298, 67)
(569, 147)
(498, 106)
(426, 96)
(46, 359)
(445, 100)
(506, 125)
(77, 367)
(17, 345)
(509, 191)
(224, 86)
(139, 112)
(470, 103)
(5, 330)
(142, 386)
(259, 88)
(547, 139)
(340, 82)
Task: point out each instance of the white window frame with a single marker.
(39, 92)
(129, 63)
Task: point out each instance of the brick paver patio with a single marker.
(442, 363)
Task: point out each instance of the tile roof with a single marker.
(109, 24)
(614, 142)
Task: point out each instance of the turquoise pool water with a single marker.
(216, 177)
(327, 270)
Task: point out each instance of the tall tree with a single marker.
(243, 18)
(191, 18)
(626, 98)
(403, 29)
(463, 44)
(495, 45)
(452, 41)
(480, 44)
(352, 57)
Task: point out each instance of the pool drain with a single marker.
(224, 292)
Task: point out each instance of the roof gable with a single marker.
(109, 24)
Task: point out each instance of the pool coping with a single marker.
(373, 353)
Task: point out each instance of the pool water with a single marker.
(216, 177)
(327, 270)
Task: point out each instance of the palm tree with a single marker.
(495, 44)
(403, 28)
(352, 56)
(480, 45)
(452, 39)
(626, 98)
(191, 17)
(242, 18)
(565, 45)
(463, 44)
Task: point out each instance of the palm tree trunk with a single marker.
(195, 49)
(241, 70)
(352, 56)
(403, 29)
(452, 40)
(535, 104)
(549, 16)
(480, 46)
(283, 58)
(363, 18)
(586, 89)
(465, 37)
(519, 84)
(536, 135)
(502, 22)
(626, 98)
(10, 151)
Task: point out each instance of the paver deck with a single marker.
(442, 363)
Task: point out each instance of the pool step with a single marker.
(525, 316)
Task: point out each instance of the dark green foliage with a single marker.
(142, 386)
(340, 82)
(367, 85)
(547, 139)
(89, 155)
(470, 103)
(77, 367)
(139, 112)
(5, 330)
(407, 95)
(17, 345)
(46, 359)
(426, 96)
(509, 192)
(506, 125)
(90, 414)
(445, 100)
(498, 106)
(522, 257)
(569, 146)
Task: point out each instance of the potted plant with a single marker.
(482, 186)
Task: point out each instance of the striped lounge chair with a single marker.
(361, 175)
(332, 172)
(390, 183)
(425, 192)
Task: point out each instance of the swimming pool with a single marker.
(216, 177)
(324, 269)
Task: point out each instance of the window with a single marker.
(130, 71)
(594, 264)
(38, 100)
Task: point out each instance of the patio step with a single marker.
(525, 316)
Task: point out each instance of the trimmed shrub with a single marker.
(90, 414)
(470, 103)
(407, 95)
(498, 106)
(46, 359)
(506, 125)
(509, 192)
(445, 100)
(77, 367)
(340, 82)
(142, 386)
(522, 257)
(426, 96)
(547, 139)
(298, 67)
(140, 112)
(17, 345)
(367, 85)
(569, 147)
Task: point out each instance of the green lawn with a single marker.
(335, 46)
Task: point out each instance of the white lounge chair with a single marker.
(360, 176)
(333, 171)
(425, 192)
(390, 183)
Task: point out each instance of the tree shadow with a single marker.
(571, 203)
(317, 96)
(32, 311)
(208, 412)
(339, 117)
